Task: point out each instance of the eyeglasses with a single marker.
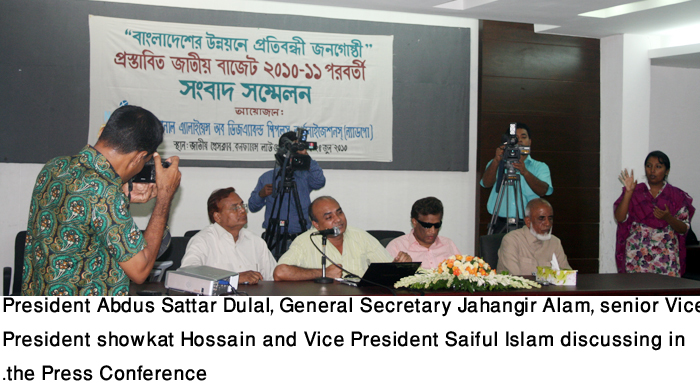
(237, 208)
(429, 225)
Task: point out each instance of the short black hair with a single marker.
(426, 206)
(663, 158)
(311, 206)
(132, 128)
(520, 125)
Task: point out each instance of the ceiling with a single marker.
(561, 17)
(560, 13)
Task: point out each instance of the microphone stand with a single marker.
(323, 279)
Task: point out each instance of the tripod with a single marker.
(277, 234)
(510, 182)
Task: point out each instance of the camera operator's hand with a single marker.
(167, 179)
(537, 185)
(265, 191)
(304, 152)
(141, 192)
(520, 166)
(489, 177)
(499, 154)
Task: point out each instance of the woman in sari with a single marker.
(652, 220)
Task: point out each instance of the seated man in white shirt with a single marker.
(226, 244)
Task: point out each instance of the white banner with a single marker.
(228, 93)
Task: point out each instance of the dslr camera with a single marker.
(148, 173)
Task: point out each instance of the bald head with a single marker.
(319, 199)
(536, 203)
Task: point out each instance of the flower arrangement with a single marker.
(465, 273)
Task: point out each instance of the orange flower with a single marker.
(456, 272)
(458, 257)
(469, 258)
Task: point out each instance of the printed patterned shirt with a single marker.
(79, 229)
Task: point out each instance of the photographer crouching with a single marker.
(285, 191)
(538, 181)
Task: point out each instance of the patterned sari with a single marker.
(646, 243)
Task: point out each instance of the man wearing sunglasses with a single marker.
(423, 244)
(226, 244)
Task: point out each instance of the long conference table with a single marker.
(587, 284)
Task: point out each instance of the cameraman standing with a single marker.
(538, 181)
(306, 181)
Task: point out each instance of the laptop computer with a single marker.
(385, 274)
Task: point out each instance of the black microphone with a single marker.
(332, 231)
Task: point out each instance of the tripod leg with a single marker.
(272, 231)
(300, 210)
(497, 208)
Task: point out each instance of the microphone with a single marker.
(334, 231)
(325, 233)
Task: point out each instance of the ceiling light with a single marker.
(461, 5)
(630, 8)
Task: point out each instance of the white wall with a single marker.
(674, 123)
(624, 126)
(371, 199)
(610, 144)
(643, 108)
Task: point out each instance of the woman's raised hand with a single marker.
(628, 180)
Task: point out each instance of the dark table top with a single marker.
(587, 284)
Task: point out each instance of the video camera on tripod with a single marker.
(289, 148)
(288, 160)
(512, 150)
(508, 177)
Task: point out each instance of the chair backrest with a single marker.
(690, 238)
(488, 248)
(6, 280)
(385, 236)
(175, 252)
(191, 233)
(19, 262)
